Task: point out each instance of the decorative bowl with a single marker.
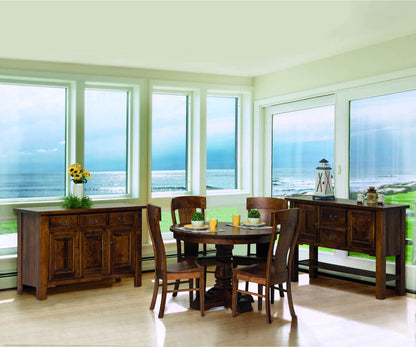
(197, 223)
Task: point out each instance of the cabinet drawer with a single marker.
(93, 220)
(63, 222)
(121, 218)
(334, 238)
(333, 216)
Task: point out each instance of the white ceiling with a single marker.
(243, 38)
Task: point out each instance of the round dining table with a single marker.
(224, 239)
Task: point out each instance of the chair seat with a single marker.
(258, 272)
(248, 259)
(206, 260)
(184, 266)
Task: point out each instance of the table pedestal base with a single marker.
(217, 298)
(221, 293)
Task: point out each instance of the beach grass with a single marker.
(8, 228)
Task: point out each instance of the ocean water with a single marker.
(27, 185)
(285, 182)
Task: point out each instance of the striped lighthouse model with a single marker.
(323, 184)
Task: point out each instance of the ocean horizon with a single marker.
(285, 182)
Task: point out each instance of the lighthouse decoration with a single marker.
(323, 184)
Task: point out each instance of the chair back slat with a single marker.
(153, 218)
(288, 235)
(185, 206)
(265, 206)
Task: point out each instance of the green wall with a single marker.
(386, 57)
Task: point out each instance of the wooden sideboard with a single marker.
(59, 246)
(377, 230)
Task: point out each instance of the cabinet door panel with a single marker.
(308, 223)
(64, 255)
(93, 253)
(121, 243)
(361, 231)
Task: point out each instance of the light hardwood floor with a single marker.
(330, 312)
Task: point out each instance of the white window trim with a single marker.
(197, 163)
(344, 93)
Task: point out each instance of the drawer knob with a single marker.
(121, 219)
(332, 217)
(332, 237)
(111, 242)
(94, 221)
(76, 246)
(105, 243)
(64, 223)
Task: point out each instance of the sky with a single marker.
(32, 132)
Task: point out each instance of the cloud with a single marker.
(47, 150)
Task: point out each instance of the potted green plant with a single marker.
(197, 219)
(254, 216)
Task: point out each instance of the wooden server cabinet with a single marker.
(58, 246)
(377, 230)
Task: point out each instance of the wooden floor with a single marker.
(330, 312)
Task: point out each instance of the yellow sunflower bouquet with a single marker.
(78, 173)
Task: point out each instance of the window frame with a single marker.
(238, 142)
(344, 93)
(129, 90)
(67, 85)
(300, 105)
(189, 148)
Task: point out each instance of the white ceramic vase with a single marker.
(78, 190)
(197, 223)
(254, 220)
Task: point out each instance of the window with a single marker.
(301, 138)
(169, 142)
(32, 141)
(382, 151)
(106, 141)
(222, 115)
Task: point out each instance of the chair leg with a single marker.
(268, 315)
(247, 286)
(191, 292)
(260, 291)
(155, 288)
(234, 297)
(289, 299)
(272, 294)
(281, 290)
(201, 285)
(179, 258)
(163, 302)
(176, 288)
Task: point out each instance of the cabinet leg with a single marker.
(400, 271)
(400, 259)
(313, 261)
(118, 279)
(41, 293)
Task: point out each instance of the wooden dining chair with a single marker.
(265, 206)
(184, 271)
(185, 206)
(277, 269)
